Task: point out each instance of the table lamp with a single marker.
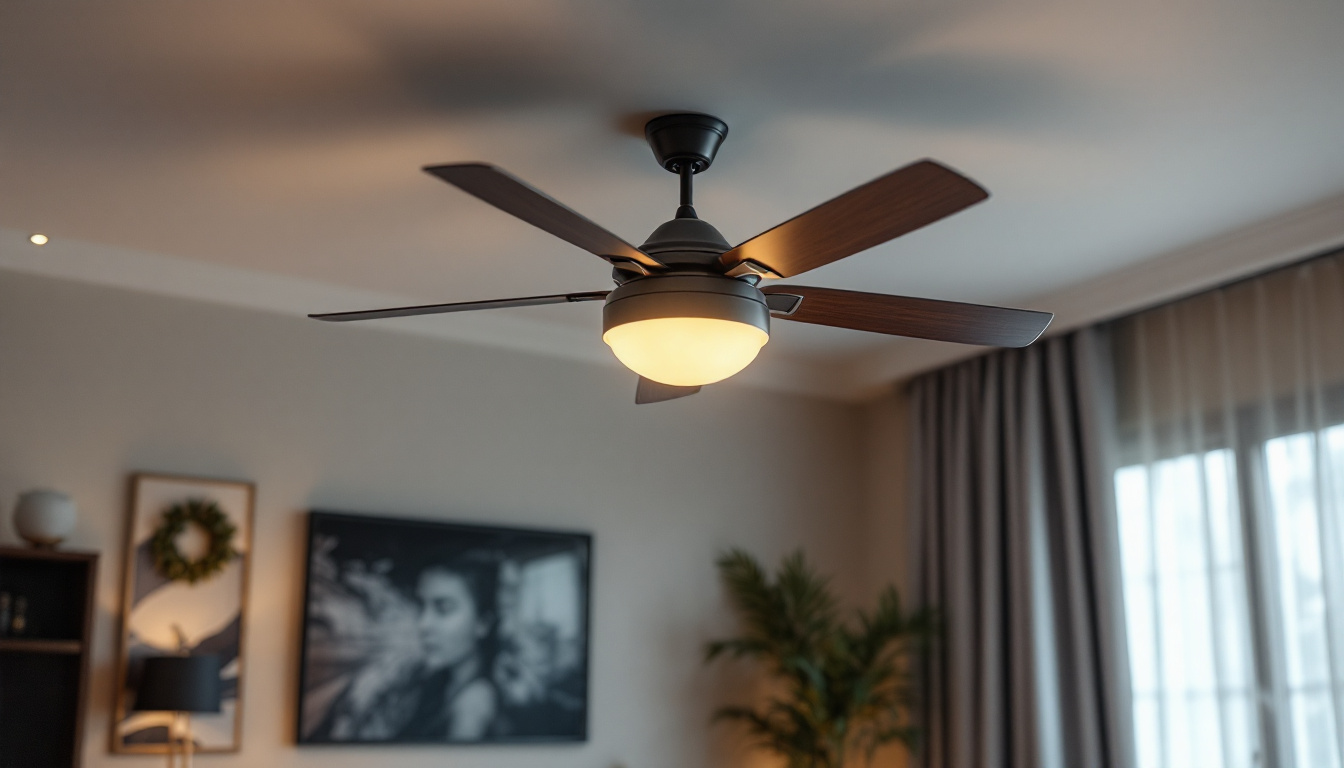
(181, 685)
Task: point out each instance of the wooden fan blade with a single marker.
(917, 318)
(462, 306)
(650, 391)
(885, 208)
(515, 196)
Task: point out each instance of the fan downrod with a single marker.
(685, 143)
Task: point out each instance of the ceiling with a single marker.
(276, 145)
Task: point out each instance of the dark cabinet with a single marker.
(44, 657)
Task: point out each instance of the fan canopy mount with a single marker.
(685, 140)
(690, 309)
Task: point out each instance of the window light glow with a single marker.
(37, 238)
(686, 351)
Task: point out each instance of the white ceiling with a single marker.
(273, 147)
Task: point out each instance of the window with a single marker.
(1233, 569)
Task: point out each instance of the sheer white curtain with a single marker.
(1229, 489)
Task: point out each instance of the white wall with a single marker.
(891, 541)
(892, 537)
(96, 383)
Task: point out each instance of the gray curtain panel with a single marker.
(1013, 495)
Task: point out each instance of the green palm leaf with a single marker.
(847, 687)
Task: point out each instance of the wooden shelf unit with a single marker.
(12, 645)
(44, 672)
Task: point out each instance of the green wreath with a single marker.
(168, 560)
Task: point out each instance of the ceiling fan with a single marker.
(689, 309)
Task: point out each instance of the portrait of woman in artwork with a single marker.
(443, 634)
(457, 699)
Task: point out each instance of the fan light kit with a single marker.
(689, 309)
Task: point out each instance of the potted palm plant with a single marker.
(841, 689)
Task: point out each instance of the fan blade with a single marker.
(917, 318)
(650, 391)
(515, 196)
(885, 208)
(462, 306)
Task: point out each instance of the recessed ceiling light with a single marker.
(37, 239)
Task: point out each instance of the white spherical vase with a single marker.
(44, 518)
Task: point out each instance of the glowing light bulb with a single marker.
(37, 238)
(686, 351)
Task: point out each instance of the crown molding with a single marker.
(1216, 261)
(1270, 243)
(124, 268)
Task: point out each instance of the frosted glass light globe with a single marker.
(686, 351)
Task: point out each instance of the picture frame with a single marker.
(420, 631)
(161, 615)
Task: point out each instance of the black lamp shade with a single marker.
(179, 684)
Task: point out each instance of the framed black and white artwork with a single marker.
(423, 632)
